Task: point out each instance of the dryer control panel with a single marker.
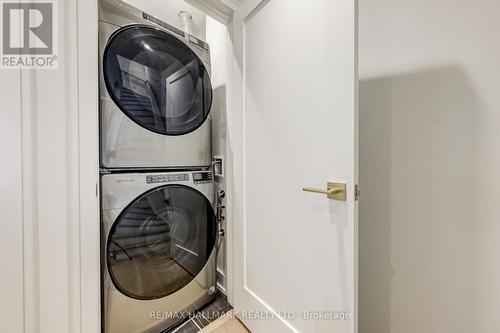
(202, 177)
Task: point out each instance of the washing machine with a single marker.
(158, 248)
(155, 92)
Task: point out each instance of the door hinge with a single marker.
(357, 192)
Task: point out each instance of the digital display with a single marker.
(202, 177)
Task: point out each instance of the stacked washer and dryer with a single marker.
(159, 230)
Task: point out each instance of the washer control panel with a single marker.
(178, 177)
(202, 177)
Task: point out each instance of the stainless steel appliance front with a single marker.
(158, 249)
(155, 92)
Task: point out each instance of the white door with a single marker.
(293, 124)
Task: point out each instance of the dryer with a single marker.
(159, 235)
(155, 92)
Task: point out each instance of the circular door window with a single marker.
(157, 80)
(160, 242)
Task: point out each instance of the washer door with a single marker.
(160, 242)
(157, 80)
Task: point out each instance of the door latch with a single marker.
(357, 192)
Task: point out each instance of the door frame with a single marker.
(89, 281)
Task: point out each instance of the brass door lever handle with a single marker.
(317, 190)
(336, 191)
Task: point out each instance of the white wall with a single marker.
(168, 10)
(49, 240)
(11, 235)
(217, 38)
(429, 166)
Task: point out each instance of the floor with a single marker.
(214, 317)
(226, 324)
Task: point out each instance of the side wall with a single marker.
(429, 161)
(217, 38)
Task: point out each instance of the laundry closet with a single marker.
(161, 143)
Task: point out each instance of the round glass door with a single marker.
(160, 242)
(157, 80)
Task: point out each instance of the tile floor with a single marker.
(208, 314)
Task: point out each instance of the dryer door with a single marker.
(160, 242)
(157, 80)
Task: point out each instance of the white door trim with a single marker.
(88, 115)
